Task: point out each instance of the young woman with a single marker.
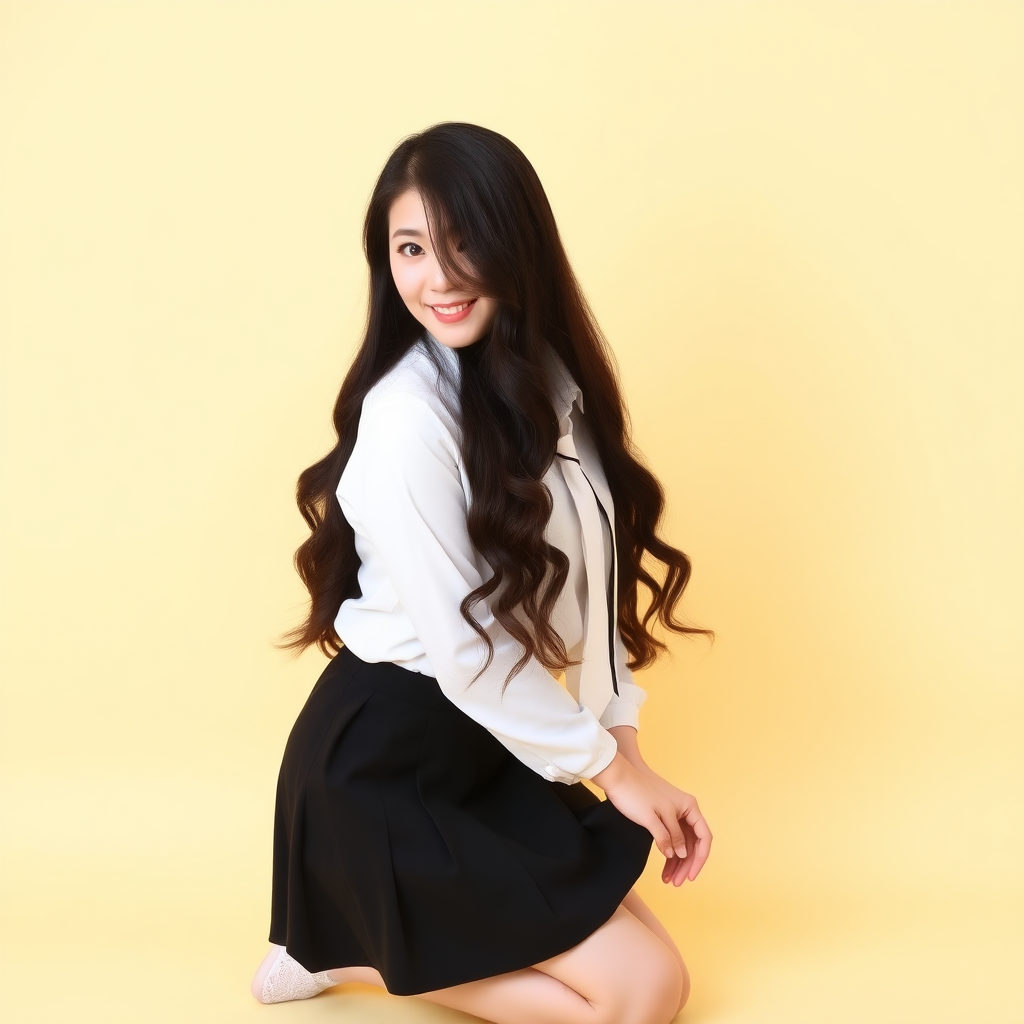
(473, 537)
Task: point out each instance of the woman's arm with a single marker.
(628, 743)
(670, 815)
(403, 492)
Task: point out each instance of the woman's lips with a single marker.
(458, 311)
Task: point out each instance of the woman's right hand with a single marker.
(670, 815)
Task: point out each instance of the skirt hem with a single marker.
(408, 839)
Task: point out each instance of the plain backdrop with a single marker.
(801, 226)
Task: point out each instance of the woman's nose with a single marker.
(438, 278)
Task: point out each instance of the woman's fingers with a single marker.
(696, 843)
(674, 871)
(668, 871)
(679, 872)
(670, 818)
(700, 856)
(660, 835)
(701, 847)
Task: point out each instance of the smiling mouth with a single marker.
(452, 310)
(454, 313)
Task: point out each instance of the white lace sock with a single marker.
(288, 979)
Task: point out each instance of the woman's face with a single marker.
(451, 314)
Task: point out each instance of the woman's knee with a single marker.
(636, 906)
(684, 991)
(667, 987)
(625, 971)
(653, 990)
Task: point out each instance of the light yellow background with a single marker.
(802, 228)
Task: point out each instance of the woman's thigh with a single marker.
(625, 970)
(646, 916)
(624, 973)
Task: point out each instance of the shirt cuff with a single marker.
(621, 713)
(609, 748)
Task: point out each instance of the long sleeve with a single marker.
(624, 707)
(402, 491)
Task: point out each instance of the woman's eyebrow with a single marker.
(408, 231)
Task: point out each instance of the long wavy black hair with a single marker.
(493, 231)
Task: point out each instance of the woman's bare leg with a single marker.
(361, 975)
(629, 971)
(646, 916)
(621, 974)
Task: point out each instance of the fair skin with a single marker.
(629, 970)
(453, 315)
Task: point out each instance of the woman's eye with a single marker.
(410, 249)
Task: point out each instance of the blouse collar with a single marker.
(564, 390)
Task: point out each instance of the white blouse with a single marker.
(406, 495)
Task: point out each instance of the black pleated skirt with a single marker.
(407, 838)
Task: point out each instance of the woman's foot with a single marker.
(281, 978)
